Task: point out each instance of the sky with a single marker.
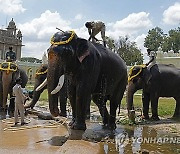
(38, 19)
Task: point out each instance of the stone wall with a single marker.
(168, 58)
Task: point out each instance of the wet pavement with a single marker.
(54, 136)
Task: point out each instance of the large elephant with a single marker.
(41, 75)
(159, 81)
(95, 71)
(9, 72)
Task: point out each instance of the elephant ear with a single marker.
(147, 75)
(82, 49)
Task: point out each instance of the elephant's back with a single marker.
(168, 77)
(112, 64)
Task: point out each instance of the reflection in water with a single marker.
(125, 139)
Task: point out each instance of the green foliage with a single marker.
(30, 59)
(166, 106)
(156, 38)
(126, 49)
(174, 39)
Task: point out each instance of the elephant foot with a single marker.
(176, 117)
(155, 118)
(105, 126)
(78, 126)
(146, 117)
(71, 122)
(112, 126)
(63, 114)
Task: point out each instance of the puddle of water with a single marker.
(125, 139)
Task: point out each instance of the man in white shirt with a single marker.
(94, 28)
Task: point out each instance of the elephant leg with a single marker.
(100, 101)
(72, 99)
(154, 107)
(88, 108)
(177, 108)
(146, 102)
(63, 100)
(11, 105)
(115, 101)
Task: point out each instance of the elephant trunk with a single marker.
(52, 82)
(36, 96)
(6, 80)
(129, 99)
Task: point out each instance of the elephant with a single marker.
(161, 80)
(9, 72)
(41, 75)
(96, 72)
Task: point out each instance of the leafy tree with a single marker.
(126, 49)
(174, 39)
(30, 59)
(154, 39)
(157, 38)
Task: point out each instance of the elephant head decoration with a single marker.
(94, 71)
(9, 72)
(159, 81)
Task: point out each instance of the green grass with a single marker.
(166, 106)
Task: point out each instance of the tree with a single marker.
(30, 59)
(174, 39)
(126, 49)
(154, 39)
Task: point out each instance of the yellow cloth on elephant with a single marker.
(8, 66)
(130, 76)
(63, 42)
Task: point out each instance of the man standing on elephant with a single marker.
(10, 55)
(19, 101)
(94, 28)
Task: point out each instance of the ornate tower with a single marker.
(9, 38)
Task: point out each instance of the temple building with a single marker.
(10, 37)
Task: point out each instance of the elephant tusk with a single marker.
(42, 85)
(59, 86)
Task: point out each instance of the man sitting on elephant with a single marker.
(10, 55)
(152, 58)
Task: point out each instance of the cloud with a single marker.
(140, 44)
(132, 24)
(37, 32)
(34, 49)
(43, 27)
(171, 16)
(11, 7)
(78, 17)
